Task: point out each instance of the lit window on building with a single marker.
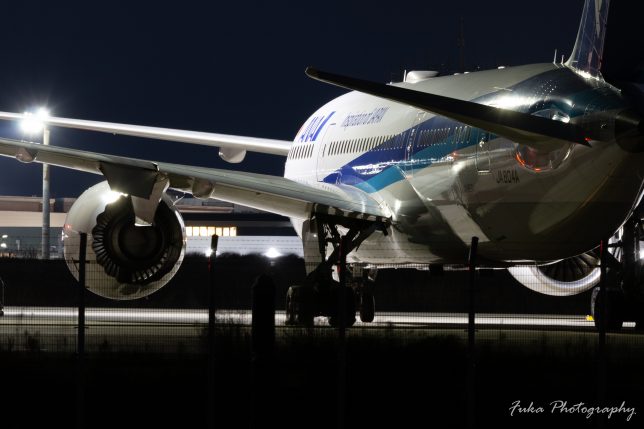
(207, 231)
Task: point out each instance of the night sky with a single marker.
(236, 67)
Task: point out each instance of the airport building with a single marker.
(242, 230)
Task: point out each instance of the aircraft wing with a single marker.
(232, 148)
(519, 127)
(269, 193)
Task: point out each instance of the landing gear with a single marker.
(335, 317)
(623, 298)
(300, 306)
(363, 281)
(367, 306)
(321, 295)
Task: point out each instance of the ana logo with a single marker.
(315, 125)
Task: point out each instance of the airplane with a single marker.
(540, 162)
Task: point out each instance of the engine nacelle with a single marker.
(124, 261)
(567, 277)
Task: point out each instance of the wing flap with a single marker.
(269, 193)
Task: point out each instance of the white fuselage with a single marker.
(444, 182)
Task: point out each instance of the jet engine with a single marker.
(124, 261)
(566, 277)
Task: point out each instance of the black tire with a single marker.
(299, 306)
(350, 315)
(367, 305)
(614, 308)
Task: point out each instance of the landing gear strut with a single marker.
(321, 295)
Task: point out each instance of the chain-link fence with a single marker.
(439, 346)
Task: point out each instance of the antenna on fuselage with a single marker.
(554, 60)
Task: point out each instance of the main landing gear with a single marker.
(623, 297)
(321, 294)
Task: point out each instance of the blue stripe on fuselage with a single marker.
(386, 164)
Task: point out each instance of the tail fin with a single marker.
(589, 46)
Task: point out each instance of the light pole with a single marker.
(32, 124)
(45, 200)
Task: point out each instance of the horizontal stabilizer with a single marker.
(516, 126)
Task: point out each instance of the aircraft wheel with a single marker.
(367, 306)
(350, 306)
(299, 306)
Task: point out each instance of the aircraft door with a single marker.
(483, 153)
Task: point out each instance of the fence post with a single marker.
(80, 344)
(212, 307)
(262, 345)
(342, 344)
(471, 337)
(601, 346)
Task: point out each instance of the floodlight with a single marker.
(34, 123)
(272, 253)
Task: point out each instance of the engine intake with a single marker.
(566, 277)
(124, 261)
